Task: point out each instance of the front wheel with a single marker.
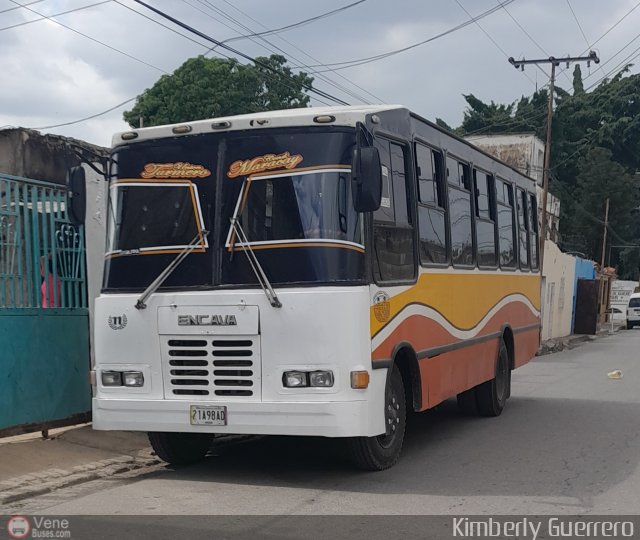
(629, 325)
(381, 452)
(181, 448)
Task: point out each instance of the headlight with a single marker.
(295, 379)
(111, 378)
(133, 378)
(321, 378)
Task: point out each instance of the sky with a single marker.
(51, 74)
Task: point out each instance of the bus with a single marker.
(310, 272)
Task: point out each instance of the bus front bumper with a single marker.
(318, 419)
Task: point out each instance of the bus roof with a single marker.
(344, 116)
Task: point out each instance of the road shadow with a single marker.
(538, 447)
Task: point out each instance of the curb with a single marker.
(32, 485)
(555, 345)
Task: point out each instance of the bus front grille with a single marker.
(212, 368)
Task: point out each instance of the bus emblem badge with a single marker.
(117, 322)
(381, 306)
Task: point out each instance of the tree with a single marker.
(595, 154)
(209, 87)
(599, 178)
(526, 115)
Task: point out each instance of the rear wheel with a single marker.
(629, 325)
(381, 452)
(181, 448)
(491, 396)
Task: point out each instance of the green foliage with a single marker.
(578, 87)
(595, 154)
(522, 116)
(212, 87)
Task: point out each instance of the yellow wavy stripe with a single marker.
(463, 299)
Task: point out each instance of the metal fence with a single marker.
(44, 353)
(41, 253)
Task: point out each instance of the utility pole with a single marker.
(519, 64)
(604, 243)
(604, 234)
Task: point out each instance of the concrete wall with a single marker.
(523, 151)
(558, 283)
(28, 153)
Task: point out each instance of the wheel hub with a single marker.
(392, 420)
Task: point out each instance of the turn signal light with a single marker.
(360, 379)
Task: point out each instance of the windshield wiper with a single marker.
(153, 287)
(255, 265)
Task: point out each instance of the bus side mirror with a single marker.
(366, 184)
(77, 195)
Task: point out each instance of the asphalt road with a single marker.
(567, 443)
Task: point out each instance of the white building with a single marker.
(525, 152)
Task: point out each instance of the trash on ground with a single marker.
(616, 374)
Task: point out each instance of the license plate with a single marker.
(200, 415)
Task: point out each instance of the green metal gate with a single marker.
(44, 320)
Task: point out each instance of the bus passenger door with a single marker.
(393, 253)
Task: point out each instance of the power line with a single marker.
(614, 25)
(368, 59)
(490, 37)
(259, 63)
(24, 23)
(86, 117)
(579, 25)
(293, 25)
(522, 28)
(119, 105)
(18, 7)
(270, 47)
(630, 58)
(89, 37)
(308, 55)
(267, 75)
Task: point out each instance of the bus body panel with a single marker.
(317, 328)
(454, 320)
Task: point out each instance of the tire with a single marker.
(381, 452)
(629, 325)
(491, 396)
(181, 448)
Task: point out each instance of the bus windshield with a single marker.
(289, 189)
(311, 208)
(148, 218)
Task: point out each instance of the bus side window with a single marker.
(431, 206)
(385, 212)
(485, 219)
(523, 228)
(506, 217)
(393, 244)
(533, 230)
(460, 213)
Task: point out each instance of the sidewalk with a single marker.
(31, 465)
(555, 345)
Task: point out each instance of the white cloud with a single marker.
(51, 75)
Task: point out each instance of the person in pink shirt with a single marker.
(54, 292)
